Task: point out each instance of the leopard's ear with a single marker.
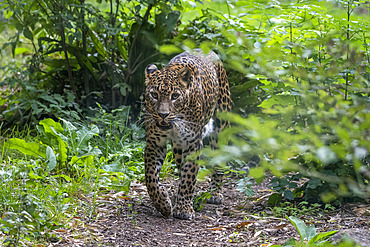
(150, 69)
(186, 76)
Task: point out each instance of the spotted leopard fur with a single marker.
(181, 101)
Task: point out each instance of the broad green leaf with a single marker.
(51, 159)
(55, 129)
(27, 33)
(310, 232)
(8, 13)
(95, 151)
(32, 175)
(83, 160)
(113, 167)
(171, 20)
(188, 44)
(288, 195)
(169, 49)
(75, 160)
(206, 47)
(34, 149)
(48, 123)
(97, 44)
(283, 100)
(21, 50)
(314, 183)
(274, 199)
(84, 135)
(68, 126)
(88, 160)
(122, 50)
(300, 226)
(125, 185)
(322, 236)
(62, 151)
(256, 172)
(245, 86)
(124, 88)
(83, 61)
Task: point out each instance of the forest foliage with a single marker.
(71, 84)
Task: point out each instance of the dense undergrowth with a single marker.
(299, 74)
(57, 163)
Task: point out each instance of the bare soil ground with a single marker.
(131, 220)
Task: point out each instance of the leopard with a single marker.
(182, 105)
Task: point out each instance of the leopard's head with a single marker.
(167, 94)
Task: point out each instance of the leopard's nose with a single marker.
(163, 115)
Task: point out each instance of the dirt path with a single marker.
(131, 220)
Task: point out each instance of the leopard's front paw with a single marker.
(184, 213)
(164, 208)
(163, 203)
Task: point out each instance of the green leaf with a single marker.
(256, 172)
(98, 45)
(33, 149)
(289, 195)
(283, 100)
(300, 226)
(84, 61)
(55, 129)
(169, 49)
(69, 126)
(122, 50)
(125, 185)
(171, 20)
(113, 167)
(62, 150)
(310, 232)
(249, 192)
(76, 160)
(84, 135)
(51, 159)
(290, 243)
(322, 236)
(65, 177)
(34, 176)
(22, 50)
(274, 199)
(27, 33)
(343, 134)
(314, 183)
(85, 160)
(48, 123)
(8, 13)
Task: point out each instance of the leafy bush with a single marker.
(31, 203)
(330, 147)
(65, 159)
(77, 53)
(301, 68)
(311, 81)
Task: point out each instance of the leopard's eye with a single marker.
(154, 95)
(174, 96)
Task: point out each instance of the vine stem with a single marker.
(347, 38)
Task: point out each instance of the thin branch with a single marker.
(64, 46)
(145, 19)
(144, 60)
